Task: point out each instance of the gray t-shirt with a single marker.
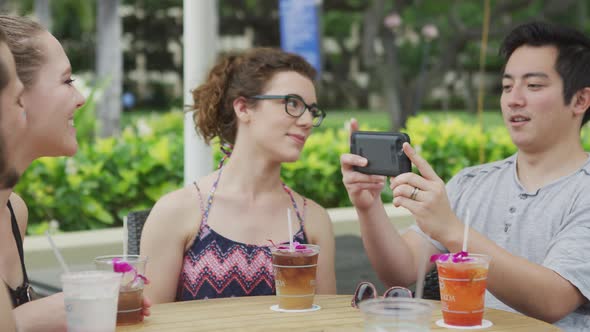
(550, 227)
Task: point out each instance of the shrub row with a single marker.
(107, 179)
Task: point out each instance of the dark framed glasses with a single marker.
(366, 290)
(295, 107)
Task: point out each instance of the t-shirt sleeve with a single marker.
(569, 252)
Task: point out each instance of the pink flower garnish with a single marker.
(121, 266)
(460, 257)
(298, 247)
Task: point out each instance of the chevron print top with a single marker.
(215, 266)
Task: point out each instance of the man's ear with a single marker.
(241, 109)
(581, 101)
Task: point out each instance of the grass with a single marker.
(381, 120)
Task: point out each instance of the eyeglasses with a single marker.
(295, 107)
(366, 290)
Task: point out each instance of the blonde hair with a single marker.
(21, 37)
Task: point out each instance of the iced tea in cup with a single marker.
(132, 270)
(462, 279)
(295, 275)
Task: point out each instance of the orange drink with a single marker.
(462, 281)
(295, 275)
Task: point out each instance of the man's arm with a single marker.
(521, 284)
(517, 282)
(392, 256)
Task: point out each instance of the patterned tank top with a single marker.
(215, 266)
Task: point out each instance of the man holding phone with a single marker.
(529, 212)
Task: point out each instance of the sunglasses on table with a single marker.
(366, 290)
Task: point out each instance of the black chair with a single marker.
(431, 286)
(135, 222)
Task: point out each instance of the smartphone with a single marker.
(383, 151)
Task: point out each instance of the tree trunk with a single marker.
(43, 13)
(109, 65)
(390, 80)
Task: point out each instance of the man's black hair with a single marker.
(573, 59)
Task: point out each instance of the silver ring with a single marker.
(414, 194)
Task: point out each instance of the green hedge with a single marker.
(110, 177)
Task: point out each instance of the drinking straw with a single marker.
(57, 254)
(466, 231)
(125, 236)
(290, 225)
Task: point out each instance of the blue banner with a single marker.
(300, 29)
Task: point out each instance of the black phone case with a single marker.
(383, 150)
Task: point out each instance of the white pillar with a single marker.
(200, 48)
(109, 65)
(42, 9)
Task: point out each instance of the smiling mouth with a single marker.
(299, 138)
(519, 119)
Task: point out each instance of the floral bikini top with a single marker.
(215, 266)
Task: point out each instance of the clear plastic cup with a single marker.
(396, 315)
(295, 276)
(90, 298)
(129, 309)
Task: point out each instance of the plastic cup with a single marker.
(462, 289)
(295, 276)
(129, 308)
(396, 315)
(90, 298)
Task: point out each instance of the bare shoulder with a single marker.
(177, 215)
(178, 207)
(20, 211)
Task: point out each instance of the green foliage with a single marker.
(107, 179)
(103, 181)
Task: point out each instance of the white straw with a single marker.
(466, 231)
(290, 224)
(125, 236)
(58, 255)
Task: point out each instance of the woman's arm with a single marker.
(21, 213)
(47, 314)
(6, 316)
(169, 227)
(318, 228)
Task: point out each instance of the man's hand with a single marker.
(425, 197)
